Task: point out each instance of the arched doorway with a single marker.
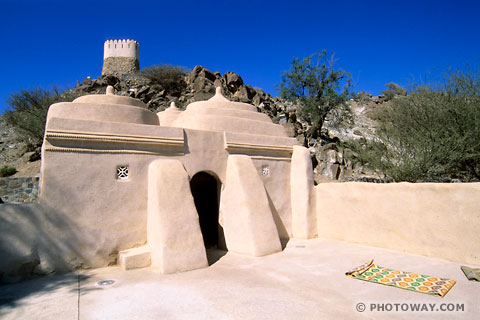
(206, 195)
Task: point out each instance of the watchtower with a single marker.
(120, 57)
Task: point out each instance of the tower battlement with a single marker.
(120, 48)
(120, 57)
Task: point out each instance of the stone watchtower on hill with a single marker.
(120, 57)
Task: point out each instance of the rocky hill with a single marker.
(14, 152)
(331, 162)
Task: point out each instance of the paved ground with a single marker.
(305, 281)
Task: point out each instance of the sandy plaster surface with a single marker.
(304, 281)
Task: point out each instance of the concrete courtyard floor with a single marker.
(305, 281)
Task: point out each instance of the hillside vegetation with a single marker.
(430, 134)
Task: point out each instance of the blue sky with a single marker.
(45, 43)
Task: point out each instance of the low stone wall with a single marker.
(432, 219)
(21, 189)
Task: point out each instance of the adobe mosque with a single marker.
(123, 185)
(161, 188)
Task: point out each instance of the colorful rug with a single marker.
(405, 280)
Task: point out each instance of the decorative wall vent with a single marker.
(122, 173)
(265, 171)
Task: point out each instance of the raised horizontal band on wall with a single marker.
(257, 148)
(83, 150)
(271, 158)
(114, 138)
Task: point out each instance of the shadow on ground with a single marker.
(35, 241)
(12, 294)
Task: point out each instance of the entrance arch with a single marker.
(205, 190)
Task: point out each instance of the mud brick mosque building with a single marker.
(161, 188)
(123, 185)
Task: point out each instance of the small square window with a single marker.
(122, 173)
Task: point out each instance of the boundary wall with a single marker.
(440, 220)
(19, 189)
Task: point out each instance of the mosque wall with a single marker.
(84, 178)
(276, 179)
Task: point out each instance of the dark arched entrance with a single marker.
(206, 194)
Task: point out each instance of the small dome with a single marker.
(169, 115)
(220, 114)
(104, 107)
(110, 98)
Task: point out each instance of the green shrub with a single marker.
(7, 171)
(433, 134)
(170, 78)
(318, 88)
(393, 90)
(28, 109)
(362, 96)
